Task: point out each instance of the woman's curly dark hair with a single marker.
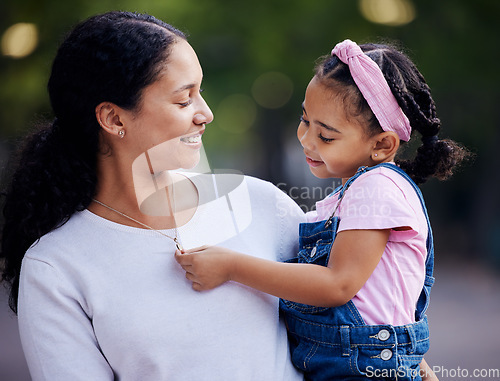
(435, 157)
(107, 58)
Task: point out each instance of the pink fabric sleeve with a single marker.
(377, 201)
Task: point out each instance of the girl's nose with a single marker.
(304, 137)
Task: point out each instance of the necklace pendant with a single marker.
(178, 245)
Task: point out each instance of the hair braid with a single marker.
(434, 158)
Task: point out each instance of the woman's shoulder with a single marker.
(64, 240)
(261, 184)
(225, 182)
(261, 194)
(267, 190)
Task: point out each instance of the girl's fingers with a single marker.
(185, 260)
(195, 285)
(196, 249)
(182, 258)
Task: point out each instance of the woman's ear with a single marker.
(108, 116)
(386, 146)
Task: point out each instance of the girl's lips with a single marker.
(313, 163)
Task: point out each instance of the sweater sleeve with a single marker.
(56, 334)
(290, 215)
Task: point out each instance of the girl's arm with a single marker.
(354, 256)
(427, 372)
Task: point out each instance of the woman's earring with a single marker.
(121, 134)
(376, 154)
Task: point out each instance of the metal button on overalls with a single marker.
(386, 354)
(383, 335)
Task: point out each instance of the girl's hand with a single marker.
(427, 372)
(207, 266)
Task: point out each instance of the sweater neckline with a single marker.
(144, 231)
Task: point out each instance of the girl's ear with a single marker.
(386, 146)
(108, 116)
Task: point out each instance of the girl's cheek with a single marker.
(300, 132)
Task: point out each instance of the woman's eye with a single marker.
(303, 120)
(326, 140)
(185, 104)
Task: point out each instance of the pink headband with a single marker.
(372, 84)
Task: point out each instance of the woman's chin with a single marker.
(191, 162)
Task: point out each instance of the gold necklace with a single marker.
(175, 239)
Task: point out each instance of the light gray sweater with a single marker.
(102, 301)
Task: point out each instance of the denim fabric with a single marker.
(335, 343)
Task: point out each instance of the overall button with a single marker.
(383, 335)
(315, 248)
(386, 354)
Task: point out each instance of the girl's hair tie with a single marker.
(429, 140)
(374, 88)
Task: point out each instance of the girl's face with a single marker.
(172, 114)
(334, 145)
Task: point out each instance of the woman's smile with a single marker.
(193, 140)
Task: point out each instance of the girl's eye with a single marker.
(305, 121)
(326, 140)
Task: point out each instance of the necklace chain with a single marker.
(175, 239)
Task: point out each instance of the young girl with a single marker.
(361, 313)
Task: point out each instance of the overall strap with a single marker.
(343, 189)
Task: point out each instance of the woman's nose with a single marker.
(205, 115)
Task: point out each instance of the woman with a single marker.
(93, 216)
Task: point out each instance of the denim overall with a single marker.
(335, 343)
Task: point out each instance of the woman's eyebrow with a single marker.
(184, 88)
(321, 124)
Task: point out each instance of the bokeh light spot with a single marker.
(272, 90)
(236, 113)
(20, 40)
(388, 12)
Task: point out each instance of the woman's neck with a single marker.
(161, 201)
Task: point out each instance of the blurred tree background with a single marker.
(258, 57)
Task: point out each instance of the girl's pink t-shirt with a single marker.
(383, 199)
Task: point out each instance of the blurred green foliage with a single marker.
(453, 42)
